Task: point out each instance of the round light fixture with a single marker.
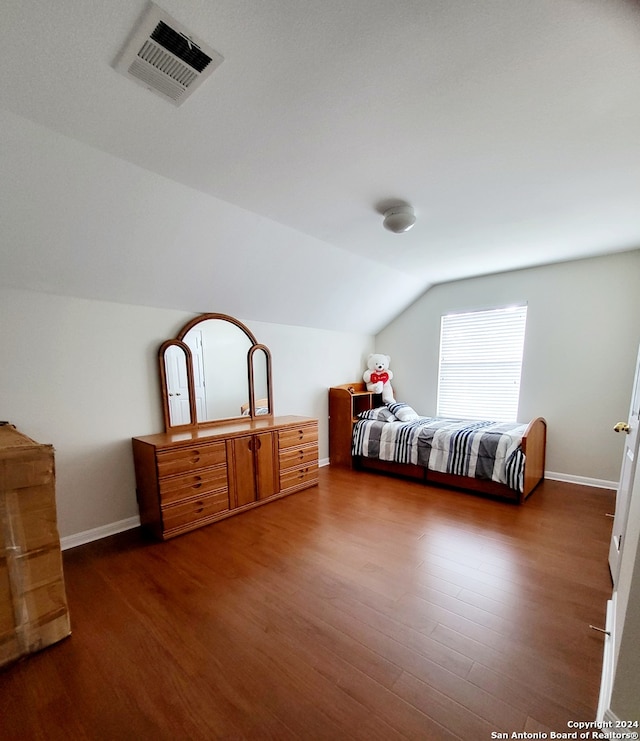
(399, 219)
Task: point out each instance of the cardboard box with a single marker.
(33, 603)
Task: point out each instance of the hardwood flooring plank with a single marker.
(358, 684)
(459, 719)
(249, 615)
(392, 626)
(146, 644)
(561, 682)
(283, 686)
(519, 692)
(368, 607)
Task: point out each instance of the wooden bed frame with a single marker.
(347, 401)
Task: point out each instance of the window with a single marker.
(480, 364)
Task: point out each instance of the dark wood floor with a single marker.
(368, 607)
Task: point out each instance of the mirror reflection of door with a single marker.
(260, 384)
(220, 351)
(194, 340)
(175, 363)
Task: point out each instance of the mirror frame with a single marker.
(178, 341)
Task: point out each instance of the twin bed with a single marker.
(493, 458)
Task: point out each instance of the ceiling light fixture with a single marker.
(399, 219)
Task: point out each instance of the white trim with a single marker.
(608, 659)
(323, 462)
(87, 536)
(582, 480)
(611, 718)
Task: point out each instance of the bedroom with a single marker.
(79, 362)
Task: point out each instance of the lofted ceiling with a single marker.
(511, 126)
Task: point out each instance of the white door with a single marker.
(175, 363)
(629, 459)
(194, 340)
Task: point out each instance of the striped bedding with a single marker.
(483, 450)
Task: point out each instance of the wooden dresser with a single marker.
(190, 478)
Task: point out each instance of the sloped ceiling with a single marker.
(512, 127)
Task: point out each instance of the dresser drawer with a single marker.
(187, 513)
(297, 477)
(175, 488)
(186, 459)
(298, 456)
(298, 436)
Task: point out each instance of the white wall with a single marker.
(582, 338)
(79, 222)
(82, 375)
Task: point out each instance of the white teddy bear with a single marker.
(378, 376)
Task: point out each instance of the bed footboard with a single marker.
(534, 446)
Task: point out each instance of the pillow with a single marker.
(259, 410)
(380, 414)
(404, 412)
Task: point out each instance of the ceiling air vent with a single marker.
(165, 57)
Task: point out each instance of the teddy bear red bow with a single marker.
(375, 377)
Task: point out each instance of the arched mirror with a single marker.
(175, 381)
(214, 370)
(260, 371)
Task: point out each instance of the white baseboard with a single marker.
(606, 680)
(323, 462)
(71, 541)
(612, 723)
(582, 480)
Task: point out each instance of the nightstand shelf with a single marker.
(345, 403)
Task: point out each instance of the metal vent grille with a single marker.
(166, 58)
(180, 46)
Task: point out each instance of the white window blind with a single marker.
(481, 363)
